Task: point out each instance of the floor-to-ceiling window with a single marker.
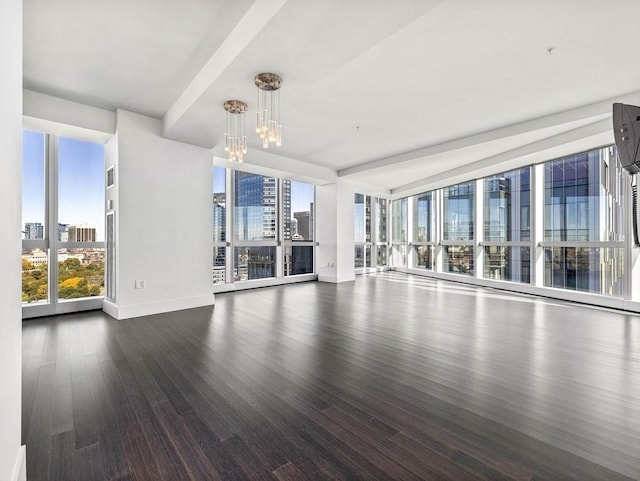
(423, 244)
(35, 248)
(583, 229)
(399, 236)
(371, 247)
(255, 226)
(362, 230)
(458, 211)
(559, 224)
(381, 244)
(298, 227)
(263, 227)
(63, 219)
(219, 212)
(507, 226)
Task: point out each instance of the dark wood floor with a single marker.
(391, 377)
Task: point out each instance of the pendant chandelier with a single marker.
(268, 124)
(235, 140)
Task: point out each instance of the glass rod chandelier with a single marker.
(268, 124)
(235, 140)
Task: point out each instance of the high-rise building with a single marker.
(304, 224)
(256, 218)
(255, 206)
(256, 201)
(33, 230)
(218, 274)
(497, 226)
(81, 233)
(577, 188)
(219, 217)
(286, 210)
(219, 235)
(241, 268)
(506, 198)
(63, 233)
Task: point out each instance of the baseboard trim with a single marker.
(334, 279)
(127, 312)
(20, 466)
(270, 282)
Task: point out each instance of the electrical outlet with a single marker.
(140, 284)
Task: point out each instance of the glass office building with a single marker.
(487, 229)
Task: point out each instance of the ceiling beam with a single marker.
(249, 26)
(45, 113)
(592, 111)
(277, 165)
(498, 162)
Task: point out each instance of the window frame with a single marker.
(610, 179)
(279, 244)
(431, 241)
(484, 245)
(51, 245)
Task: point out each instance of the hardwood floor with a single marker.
(391, 377)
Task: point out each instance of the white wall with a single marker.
(164, 232)
(11, 454)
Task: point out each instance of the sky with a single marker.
(80, 182)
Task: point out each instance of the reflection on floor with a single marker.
(389, 377)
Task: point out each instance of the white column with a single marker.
(537, 226)
(438, 195)
(164, 232)
(478, 231)
(335, 232)
(410, 234)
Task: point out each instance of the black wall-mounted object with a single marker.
(626, 130)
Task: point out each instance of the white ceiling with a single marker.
(391, 94)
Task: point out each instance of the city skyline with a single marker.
(256, 203)
(301, 191)
(65, 232)
(219, 205)
(81, 183)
